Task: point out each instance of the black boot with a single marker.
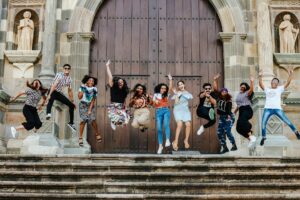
(224, 149)
(262, 142)
(234, 147)
(297, 135)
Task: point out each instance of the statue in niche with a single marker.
(288, 35)
(25, 32)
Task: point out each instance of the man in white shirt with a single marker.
(273, 104)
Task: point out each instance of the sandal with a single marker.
(175, 146)
(98, 138)
(186, 145)
(80, 142)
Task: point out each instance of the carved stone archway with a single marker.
(229, 12)
(233, 36)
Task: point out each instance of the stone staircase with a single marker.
(114, 176)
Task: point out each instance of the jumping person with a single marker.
(273, 104)
(87, 95)
(226, 119)
(206, 106)
(243, 101)
(140, 101)
(34, 93)
(117, 111)
(163, 115)
(182, 113)
(61, 80)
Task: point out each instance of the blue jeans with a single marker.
(163, 119)
(279, 113)
(224, 127)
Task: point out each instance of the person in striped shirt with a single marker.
(62, 80)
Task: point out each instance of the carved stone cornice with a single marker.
(227, 36)
(83, 35)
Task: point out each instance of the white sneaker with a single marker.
(168, 143)
(48, 116)
(200, 130)
(252, 141)
(13, 132)
(160, 149)
(113, 126)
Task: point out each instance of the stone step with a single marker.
(148, 167)
(191, 177)
(149, 187)
(39, 196)
(146, 158)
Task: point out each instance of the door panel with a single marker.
(146, 40)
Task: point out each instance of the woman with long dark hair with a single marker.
(87, 95)
(34, 93)
(140, 101)
(243, 101)
(226, 117)
(161, 103)
(117, 111)
(182, 113)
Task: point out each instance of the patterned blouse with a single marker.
(141, 102)
(33, 97)
(89, 93)
(63, 81)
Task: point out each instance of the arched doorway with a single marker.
(147, 39)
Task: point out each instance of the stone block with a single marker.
(41, 144)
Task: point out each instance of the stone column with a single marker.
(49, 41)
(236, 69)
(264, 40)
(78, 47)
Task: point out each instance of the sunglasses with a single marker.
(67, 68)
(207, 88)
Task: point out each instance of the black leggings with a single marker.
(32, 118)
(243, 126)
(64, 100)
(203, 112)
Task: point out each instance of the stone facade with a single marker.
(249, 41)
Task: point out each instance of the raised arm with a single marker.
(12, 99)
(261, 84)
(251, 86)
(290, 72)
(215, 85)
(170, 83)
(110, 77)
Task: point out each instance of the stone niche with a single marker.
(278, 10)
(22, 62)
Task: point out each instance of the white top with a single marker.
(273, 97)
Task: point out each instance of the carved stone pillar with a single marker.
(264, 40)
(49, 41)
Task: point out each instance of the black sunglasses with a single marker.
(207, 88)
(67, 68)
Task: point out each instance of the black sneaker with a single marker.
(297, 135)
(72, 127)
(262, 142)
(224, 149)
(233, 148)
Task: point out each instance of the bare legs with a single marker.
(187, 134)
(95, 127)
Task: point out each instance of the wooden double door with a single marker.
(145, 40)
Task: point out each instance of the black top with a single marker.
(205, 101)
(224, 106)
(117, 95)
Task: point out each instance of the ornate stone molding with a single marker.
(287, 60)
(226, 37)
(83, 35)
(229, 12)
